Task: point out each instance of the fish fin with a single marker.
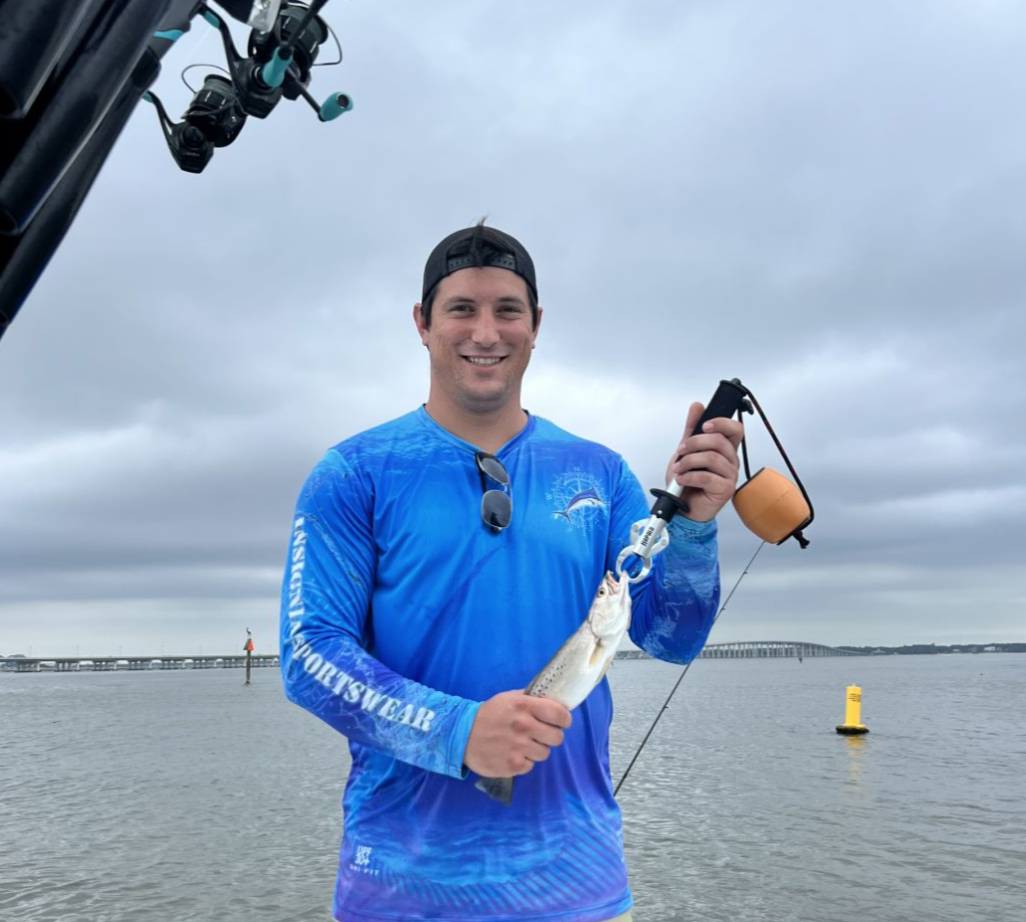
(596, 655)
(497, 788)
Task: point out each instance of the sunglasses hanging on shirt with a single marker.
(497, 501)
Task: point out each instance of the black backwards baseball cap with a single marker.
(479, 247)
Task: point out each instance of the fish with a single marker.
(581, 663)
(587, 497)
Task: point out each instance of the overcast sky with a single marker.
(823, 199)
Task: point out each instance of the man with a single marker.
(436, 564)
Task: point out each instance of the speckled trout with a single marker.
(580, 663)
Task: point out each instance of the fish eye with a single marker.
(602, 591)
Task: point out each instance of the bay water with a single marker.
(185, 795)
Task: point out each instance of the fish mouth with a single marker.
(614, 585)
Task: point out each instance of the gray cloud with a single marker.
(823, 200)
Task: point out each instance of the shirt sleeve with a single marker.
(673, 608)
(326, 599)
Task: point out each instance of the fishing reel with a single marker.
(282, 49)
(769, 505)
(214, 119)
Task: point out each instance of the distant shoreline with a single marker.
(930, 648)
(17, 663)
(912, 650)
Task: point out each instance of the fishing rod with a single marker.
(769, 505)
(666, 703)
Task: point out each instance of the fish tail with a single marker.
(497, 788)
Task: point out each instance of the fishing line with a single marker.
(666, 704)
(185, 70)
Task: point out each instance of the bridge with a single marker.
(750, 649)
(759, 649)
(756, 649)
(133, 663)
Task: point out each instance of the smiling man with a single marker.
(479, 324)
(437, 562)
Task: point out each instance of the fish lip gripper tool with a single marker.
(648, 536)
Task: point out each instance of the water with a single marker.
(185, 796)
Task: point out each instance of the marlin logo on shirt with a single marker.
(582, 498)
(576, 499)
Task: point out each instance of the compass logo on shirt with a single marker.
(577, 499)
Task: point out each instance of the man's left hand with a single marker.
(706, 464)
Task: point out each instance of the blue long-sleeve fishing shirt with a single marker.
(402, 611)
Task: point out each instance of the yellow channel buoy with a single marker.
(853, 712)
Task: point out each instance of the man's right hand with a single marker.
(512, 731)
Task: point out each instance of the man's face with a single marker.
(480, 338)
